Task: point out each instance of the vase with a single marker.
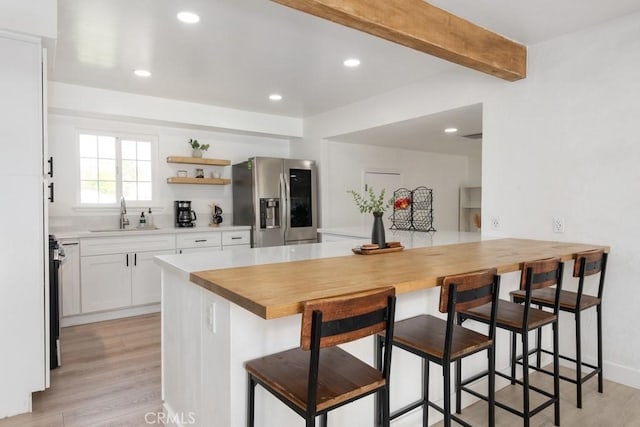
(196, 153)
(377, 234)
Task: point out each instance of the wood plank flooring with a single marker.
(111, 377)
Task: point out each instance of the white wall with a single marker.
(63, 146)
(564, 142)
(561, 142)
(343, 167)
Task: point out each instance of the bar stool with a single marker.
(442, 341)
(319, 376)
(587, 264)
(521, 319)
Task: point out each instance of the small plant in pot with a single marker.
(375, 204)
(197, 148)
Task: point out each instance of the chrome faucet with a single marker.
(124, 221)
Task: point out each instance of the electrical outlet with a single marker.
(558, 224)
(495, 222)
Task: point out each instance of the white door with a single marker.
(145, 277)
(106, 282)
(389, 181)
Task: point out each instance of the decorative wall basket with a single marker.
(413, 209)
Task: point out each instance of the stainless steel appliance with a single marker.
(56, 257)
(278, 199)
(184, 216)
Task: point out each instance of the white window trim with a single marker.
(115, 207)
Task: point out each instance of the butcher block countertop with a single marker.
(277, 290)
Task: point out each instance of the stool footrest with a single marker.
(563, 377)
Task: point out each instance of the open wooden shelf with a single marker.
(207, 181)
(198, 161)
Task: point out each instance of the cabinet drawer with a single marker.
(232, 238)
(198, 240)
(138, 243)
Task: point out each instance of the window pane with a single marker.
(107, 192)
(106, 147)
(88, 192)
(144, 191)
(144, 171)
(88, 146)
(107, 170)
(144, 150)
(88, 169)
(128, 150)
(129, 170)
(129, 190)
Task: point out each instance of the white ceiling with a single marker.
(427, 133)
(243, 50)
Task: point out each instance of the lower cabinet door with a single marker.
(106, 282)
(145, 277)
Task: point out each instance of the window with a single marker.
(111, 167)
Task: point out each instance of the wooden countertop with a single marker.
(277, 290)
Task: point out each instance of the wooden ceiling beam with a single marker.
(427, 28)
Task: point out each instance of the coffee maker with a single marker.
(185, 217)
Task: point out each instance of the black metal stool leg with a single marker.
(379, 403)
(556, 373)
(578, 360)
(425, 392)
(539, 346)
(525, 378)
(492, 386)
(458, 388)
(446, 372)
(599, 316)
(251, 393)
(323, 420)
(386, 413)
(513, 357)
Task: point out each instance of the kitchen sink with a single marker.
(105, 230)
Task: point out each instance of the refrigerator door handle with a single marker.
(284, 210)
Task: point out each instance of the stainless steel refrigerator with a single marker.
(278, 198)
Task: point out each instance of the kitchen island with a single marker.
(219, 312)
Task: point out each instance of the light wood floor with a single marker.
(111, 377)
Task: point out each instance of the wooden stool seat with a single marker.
(443, 342)
(318, 376)
(520, 320)
(510, 316)
(587, 264)
(568, 299)
(340, 376)
(426, 334)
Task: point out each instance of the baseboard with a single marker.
(177, 419)
(82, 319)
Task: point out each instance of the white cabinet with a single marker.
(145, 278)
(106, 282)
(70, 278)
(198, 242)
(119, 272)
(236, 238)
(469, 217)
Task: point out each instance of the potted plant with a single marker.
(375, 204)
(197, 148)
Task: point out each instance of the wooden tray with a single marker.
(360, 251)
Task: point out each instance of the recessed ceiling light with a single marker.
(188, 17)
(142, 73)
(275, 97)
(451, 130)
(351, 62)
